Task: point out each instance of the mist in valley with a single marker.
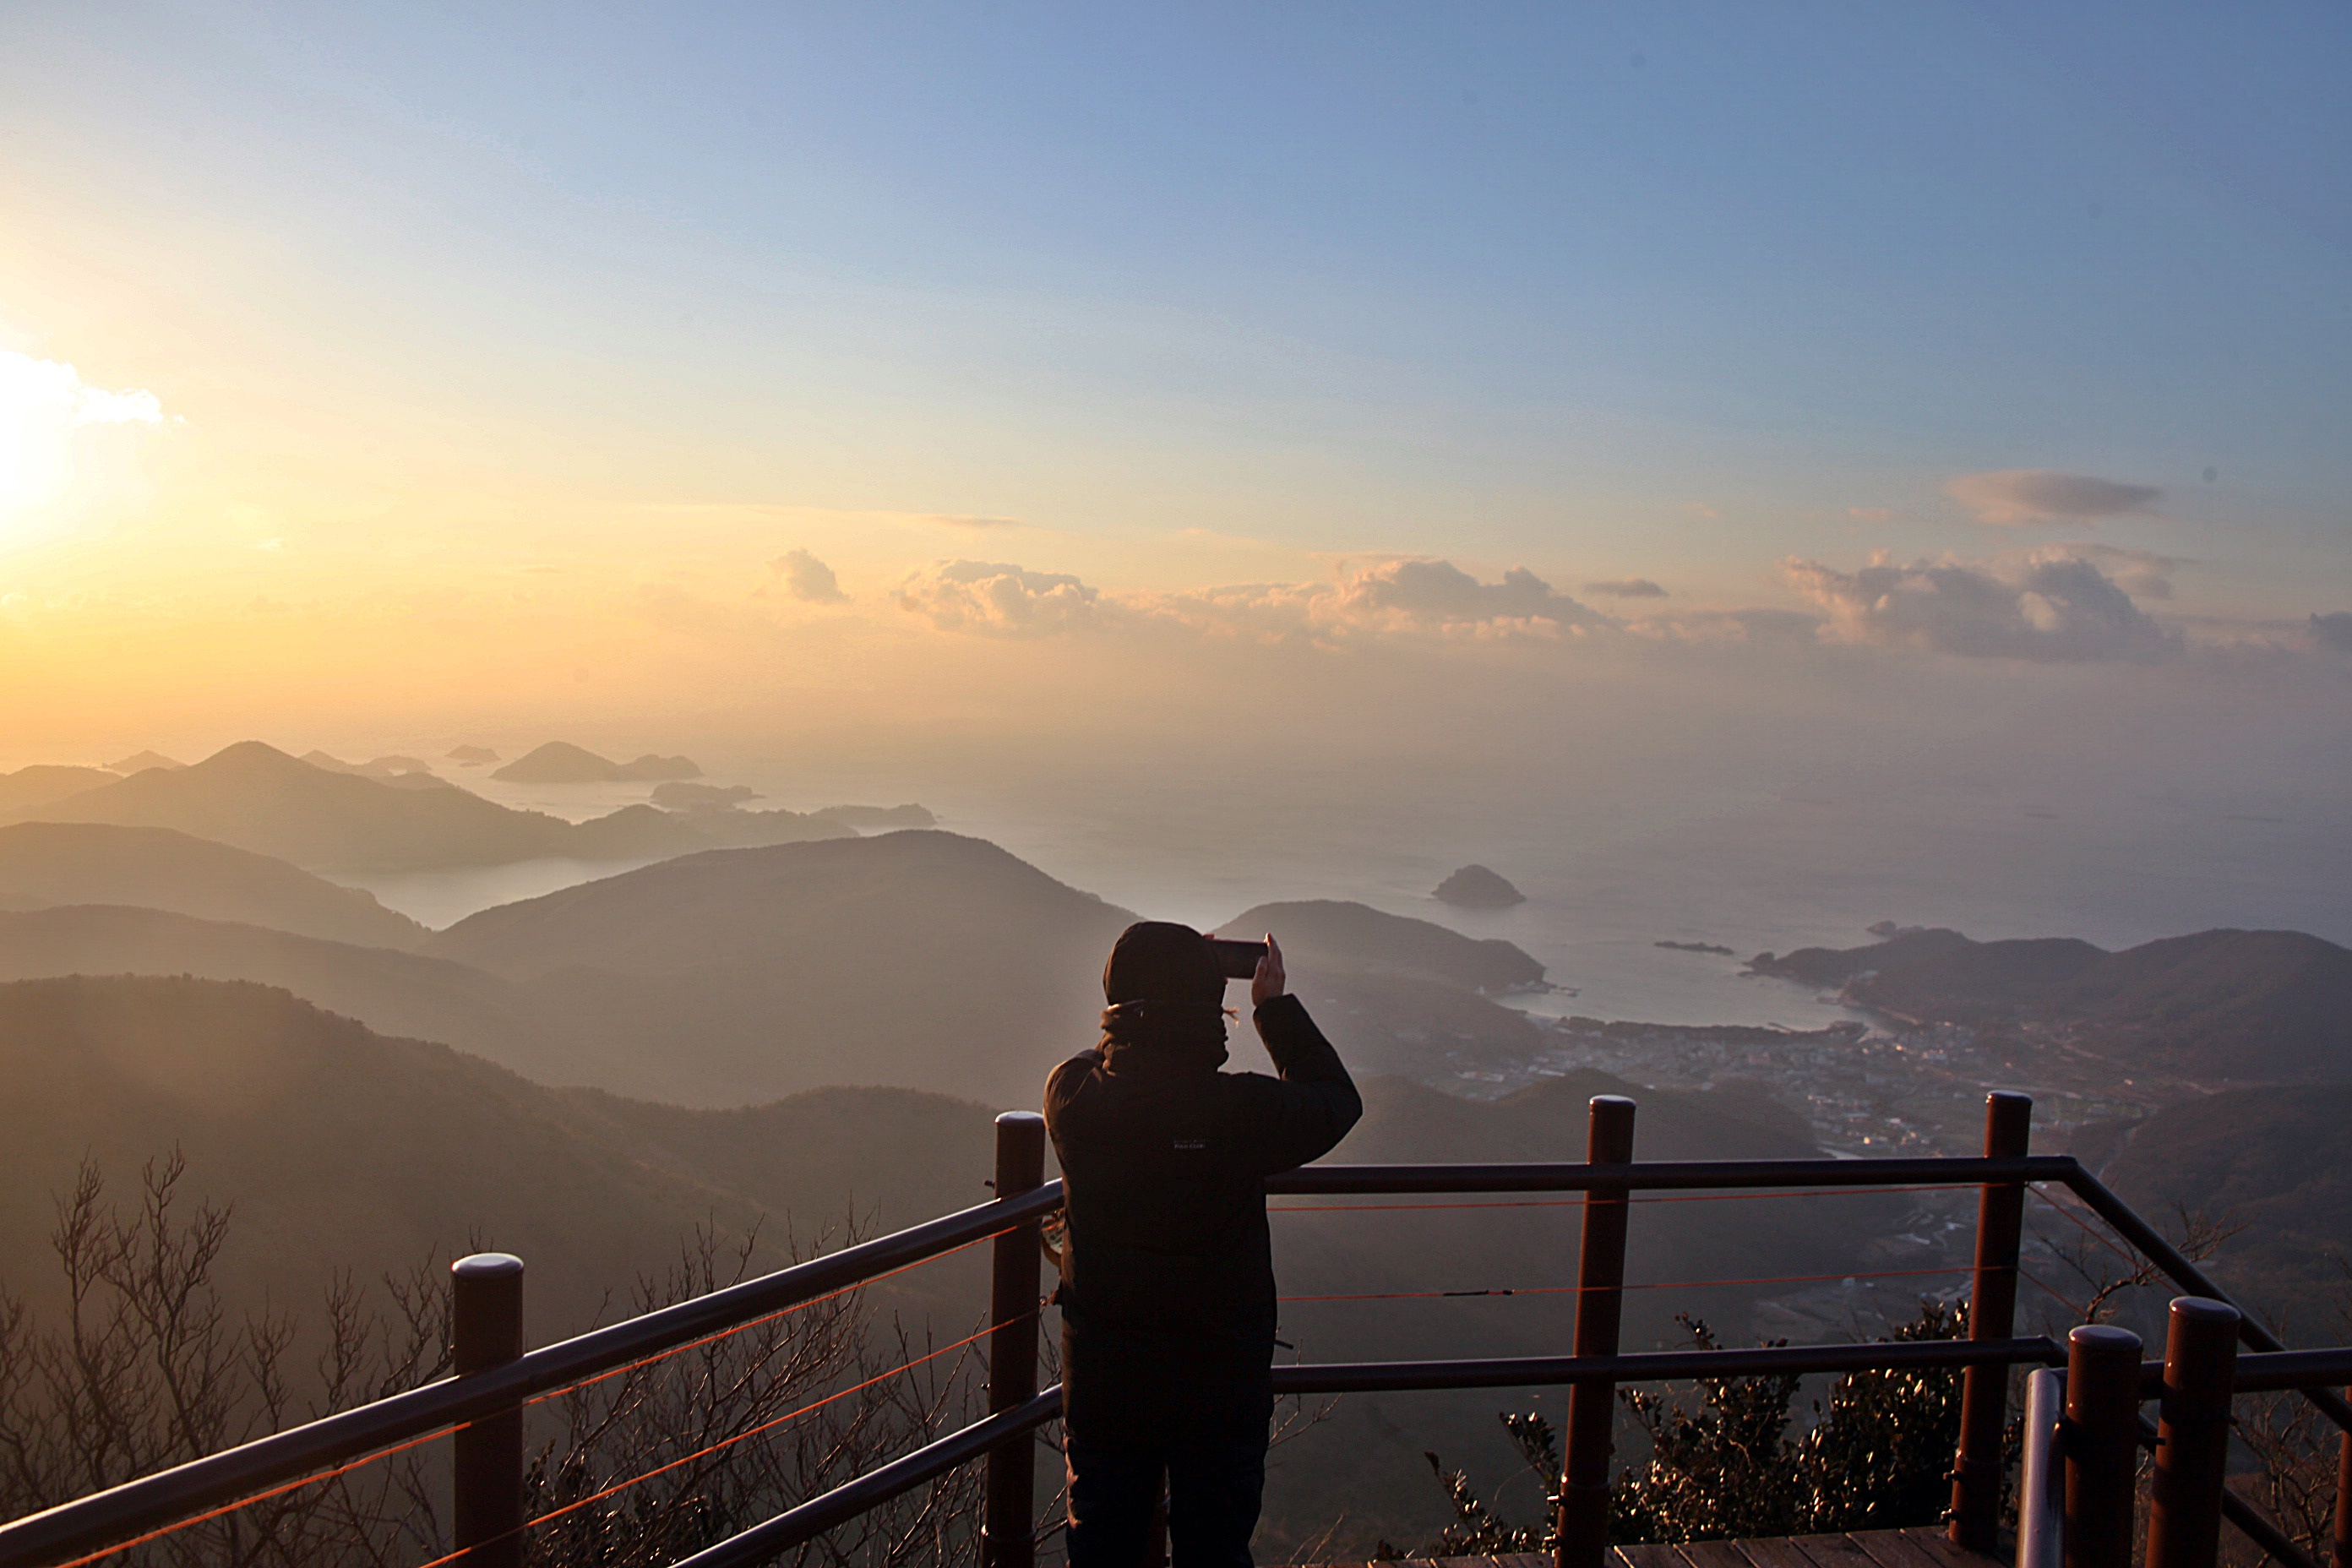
(793, 1041)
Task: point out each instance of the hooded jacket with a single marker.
(1167, 1290)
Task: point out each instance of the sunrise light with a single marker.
(53, 436)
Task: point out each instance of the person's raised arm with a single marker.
(1316, 1102)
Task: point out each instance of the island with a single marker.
(559, 761)
(1476, 888)
(1695, 947)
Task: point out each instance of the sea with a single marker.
(1605, 881)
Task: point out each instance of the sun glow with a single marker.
(53, 437)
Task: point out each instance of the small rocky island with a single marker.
(1695, 947)
(1476, 888)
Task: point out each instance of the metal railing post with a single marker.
(1010, 1522)
(486, 1320)
(1993, 1310)
(2042, 1473)
(1600, 1301)
(2102, 1445)
(2192, 1442)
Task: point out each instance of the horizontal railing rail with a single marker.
(103, 1519)
(107, 1519)
(2181, 1272)
(1659, 1367)
(806, 1521)
(1650, 1175)
(2276, 1372)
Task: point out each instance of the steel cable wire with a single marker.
(366, 1459)
(715, 1337)
(729, 1442)
(2081, 1315)
(243, 1502)
(2086, 1228)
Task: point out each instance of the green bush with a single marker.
(1877, 1455)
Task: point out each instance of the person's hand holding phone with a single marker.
(1267, 982)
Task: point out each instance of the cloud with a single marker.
(958, 520)
(1438, 593)
(44, 405)
(2333, 630)
(992, 599)
(1627, 588)
(808, 579)
(2060, 604)
(32, 388)
(2014, 496)
(2142, 573)
(1395, 598)
(1384, 599)
(2049, 607)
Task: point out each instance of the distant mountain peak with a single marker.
(250, 754)
(561, 762)
(255, 796)
(140, 762)
(384, 768)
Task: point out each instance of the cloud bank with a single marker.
(2057, 603)
(1627, 588)
(1438, 594)
(2049, 607)
(1398, 597)
(992, 599)
(2019, 497)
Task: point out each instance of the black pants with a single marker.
(1214, 1492)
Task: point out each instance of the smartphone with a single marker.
(1237, 959)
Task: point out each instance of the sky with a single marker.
(1658, 396)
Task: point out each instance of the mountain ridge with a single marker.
(253, 796)
(561, 762)
(45, 782)
(2221, 1005)
(49, 864)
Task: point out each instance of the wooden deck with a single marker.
(1924, 1548)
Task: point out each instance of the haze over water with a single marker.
(1603, 885)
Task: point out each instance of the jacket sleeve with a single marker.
(1304, 1116)
(1063, 1086)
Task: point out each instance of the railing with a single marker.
(2095, 1462)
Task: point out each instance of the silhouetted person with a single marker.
(1167, 1294)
